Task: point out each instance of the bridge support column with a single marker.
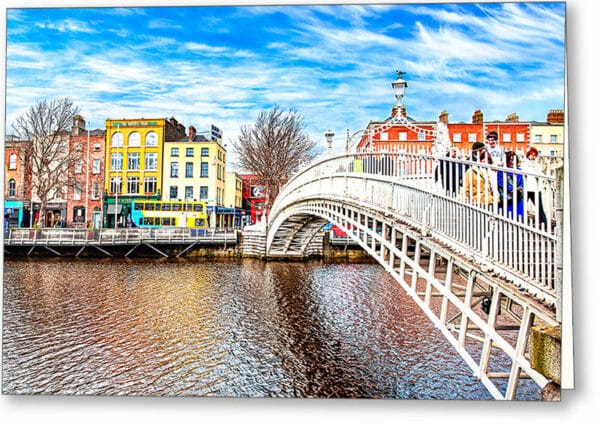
(545, 344)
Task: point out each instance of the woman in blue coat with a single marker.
(511, 188)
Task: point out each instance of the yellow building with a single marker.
(133, 163)
(548, 138)
(234, 199)
(194, 169)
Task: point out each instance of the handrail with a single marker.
(404, 186)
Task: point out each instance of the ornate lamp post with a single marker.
(399, 86)
(329, 137)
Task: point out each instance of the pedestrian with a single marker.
(479, 188)
(450, 172)
(534, 183)
(511, 188)
(494, 148)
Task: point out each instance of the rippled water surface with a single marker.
(239, 329)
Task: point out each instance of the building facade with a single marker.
(418, 137)
(233, 200)
(17, 185)
(84, 196)
(134, 163)
(194, 168)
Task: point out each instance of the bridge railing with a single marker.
(505, 230)
(125, 236)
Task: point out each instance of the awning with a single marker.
(112, 208)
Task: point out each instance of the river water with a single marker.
(229, 329)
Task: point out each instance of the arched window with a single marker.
(12, 161)
(151, 139)
(134, 139)
(117, 139)
(12, 188)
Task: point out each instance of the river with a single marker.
(222, 328)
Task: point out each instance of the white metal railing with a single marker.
(124, 236)
(508, 233)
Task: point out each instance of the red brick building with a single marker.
(84, 196)
(414, 136)
(17, 184)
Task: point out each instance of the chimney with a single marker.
(192, 133)
(556, 116)
(444, 117)
(477, 117)
(512, 118)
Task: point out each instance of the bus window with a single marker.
(166, 207)
(148, 221)
(198, 207)
(166, 221)
(176, 207)
(188, 207)
(199, 222)
(138, 206)
(149, 206)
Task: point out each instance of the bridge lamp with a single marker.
(399, 86)
(329, 137)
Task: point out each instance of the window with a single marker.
(115, 184)
(95, 191)
(403, 136)
(78, 166)
(96, 147)
(150, 185)
(76, 193)
(151, 139)
(174, 169)
(506, 138)
(117, 139)
(421, 136)
(78, 147)
(189, 152)
(189, 192)
(538, 138)
(96, 166)
(175, 152)
(553, 138)
(133, 162)
(151, 161)
(78, 214)
(383, 136)
(133, 185)
(189, 169)
(472, 137)
(116, 161)
(457, 137)
(204, 151)
(135, 140)
(520, 137)
(12, 163)
(12, 188)
(203, 192)
(204, 169)
(172, 193)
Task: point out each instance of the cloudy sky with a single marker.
(332, 63)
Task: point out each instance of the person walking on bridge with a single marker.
(480, 185)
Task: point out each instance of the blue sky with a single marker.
(332, 63)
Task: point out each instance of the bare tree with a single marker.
(46, 128)
(274, 148)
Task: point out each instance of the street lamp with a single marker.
(329, 137)
(399, 86)
(116, 198)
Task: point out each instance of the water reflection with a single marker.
(243, 329)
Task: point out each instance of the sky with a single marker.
(332, 63)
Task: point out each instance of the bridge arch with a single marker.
(442, 251)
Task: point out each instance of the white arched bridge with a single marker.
(488, 280)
